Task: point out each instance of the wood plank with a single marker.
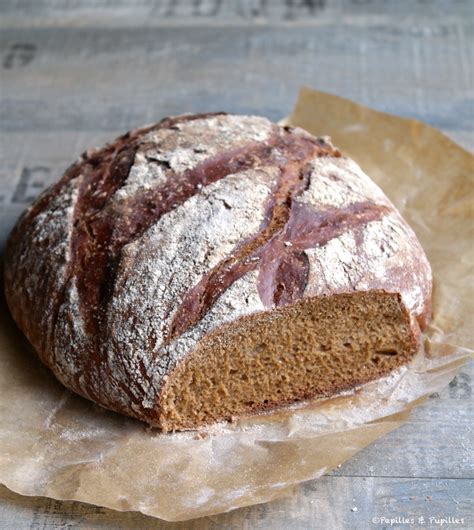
(332, 503)
(92, 79)
(243, 12)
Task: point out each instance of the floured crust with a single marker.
(116, 273)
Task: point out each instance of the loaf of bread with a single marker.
(213, 266)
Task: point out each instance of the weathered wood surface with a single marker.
(74, 74)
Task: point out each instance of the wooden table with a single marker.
(74, 74)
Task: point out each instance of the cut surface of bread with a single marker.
(316, 347)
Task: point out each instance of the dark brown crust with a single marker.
(291, 153)
(100, 232)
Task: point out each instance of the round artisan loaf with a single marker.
(212, 266)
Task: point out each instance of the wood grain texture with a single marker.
(330, 503)
(74, 77)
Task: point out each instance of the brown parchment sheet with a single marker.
(54, 443)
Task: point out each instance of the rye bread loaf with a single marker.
(212, 266)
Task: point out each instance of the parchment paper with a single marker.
(56, 444)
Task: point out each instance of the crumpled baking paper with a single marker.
(56, 444)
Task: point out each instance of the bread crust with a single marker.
(118, 271)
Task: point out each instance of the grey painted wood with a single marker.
(227, 12)
(93, 79)
(76, 73)
(345, 503)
